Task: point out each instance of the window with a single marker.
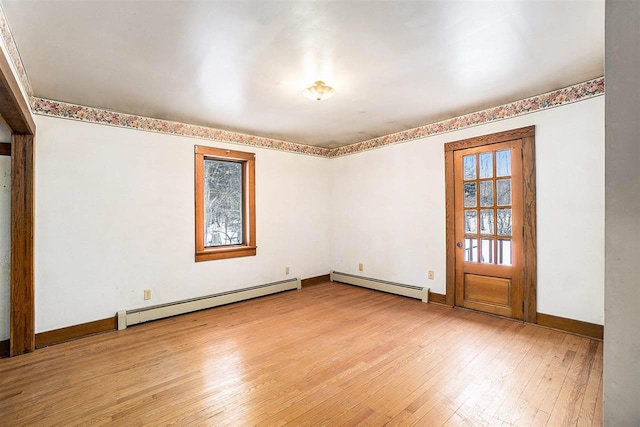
(225, 203)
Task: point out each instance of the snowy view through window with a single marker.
(222, 203)
(487, 207)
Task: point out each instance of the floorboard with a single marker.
(330, 354)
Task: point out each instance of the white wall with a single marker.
(115, 216)
(622, 340)
(389, 209)
(5, 244)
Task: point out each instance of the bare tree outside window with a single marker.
(223, 220)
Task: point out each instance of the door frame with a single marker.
(14, 109)
(527, 135)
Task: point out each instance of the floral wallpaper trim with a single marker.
(556, 98)
(568, 95)
(47, 107)
(14, 55)
(575, 93)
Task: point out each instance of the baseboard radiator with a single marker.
(410, 291)
(146, 314)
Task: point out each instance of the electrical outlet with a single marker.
(286, 270)
(430, 274)
(360, 267)
(147, 294)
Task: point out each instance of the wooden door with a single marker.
(488, 190)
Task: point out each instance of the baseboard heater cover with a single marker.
(410, 291)
(146, 314)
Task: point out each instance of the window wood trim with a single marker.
(527, 134)
(248, 247)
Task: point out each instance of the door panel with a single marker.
(488, 228)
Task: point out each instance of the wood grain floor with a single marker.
(329, 354)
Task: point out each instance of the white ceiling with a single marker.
(242, 65)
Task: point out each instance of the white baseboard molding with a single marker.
(410, 291)
(146, 314)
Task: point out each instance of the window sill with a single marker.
(223, 253)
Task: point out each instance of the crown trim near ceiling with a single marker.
(556, 98)
(545, 101)
(14, 54)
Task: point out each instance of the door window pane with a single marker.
(471, 250)
(469, 163)
(503, 190)
(486, 165)
(504, 252)
(486, 221)
(471, 221)
(486, 251)
(503, 163)
(486, 193)
(470, 195)
(504, 222)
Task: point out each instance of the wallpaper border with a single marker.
(14, 54)
(556, 98)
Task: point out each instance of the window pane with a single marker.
(469, 167)
(222, 203)
(486, 193)
(504, 252)
(486, 165)
(504, 222)
(471, 250)
(470, 195)
(470, 221)
(486, 221)
(486, 252)
(503, 163)
(503, 188)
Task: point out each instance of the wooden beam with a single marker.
(14, 106)
(22, 323)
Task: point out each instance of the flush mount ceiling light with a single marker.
(318, 91)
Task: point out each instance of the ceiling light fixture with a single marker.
(318, 91)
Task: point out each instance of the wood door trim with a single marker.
(530, 273)
(13, 104)
(22, 320)
(527, 134)
(450, 228)
(14, 109)
(494, 138)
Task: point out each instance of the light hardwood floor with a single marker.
(329, 354)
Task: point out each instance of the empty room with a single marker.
(336, 213)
